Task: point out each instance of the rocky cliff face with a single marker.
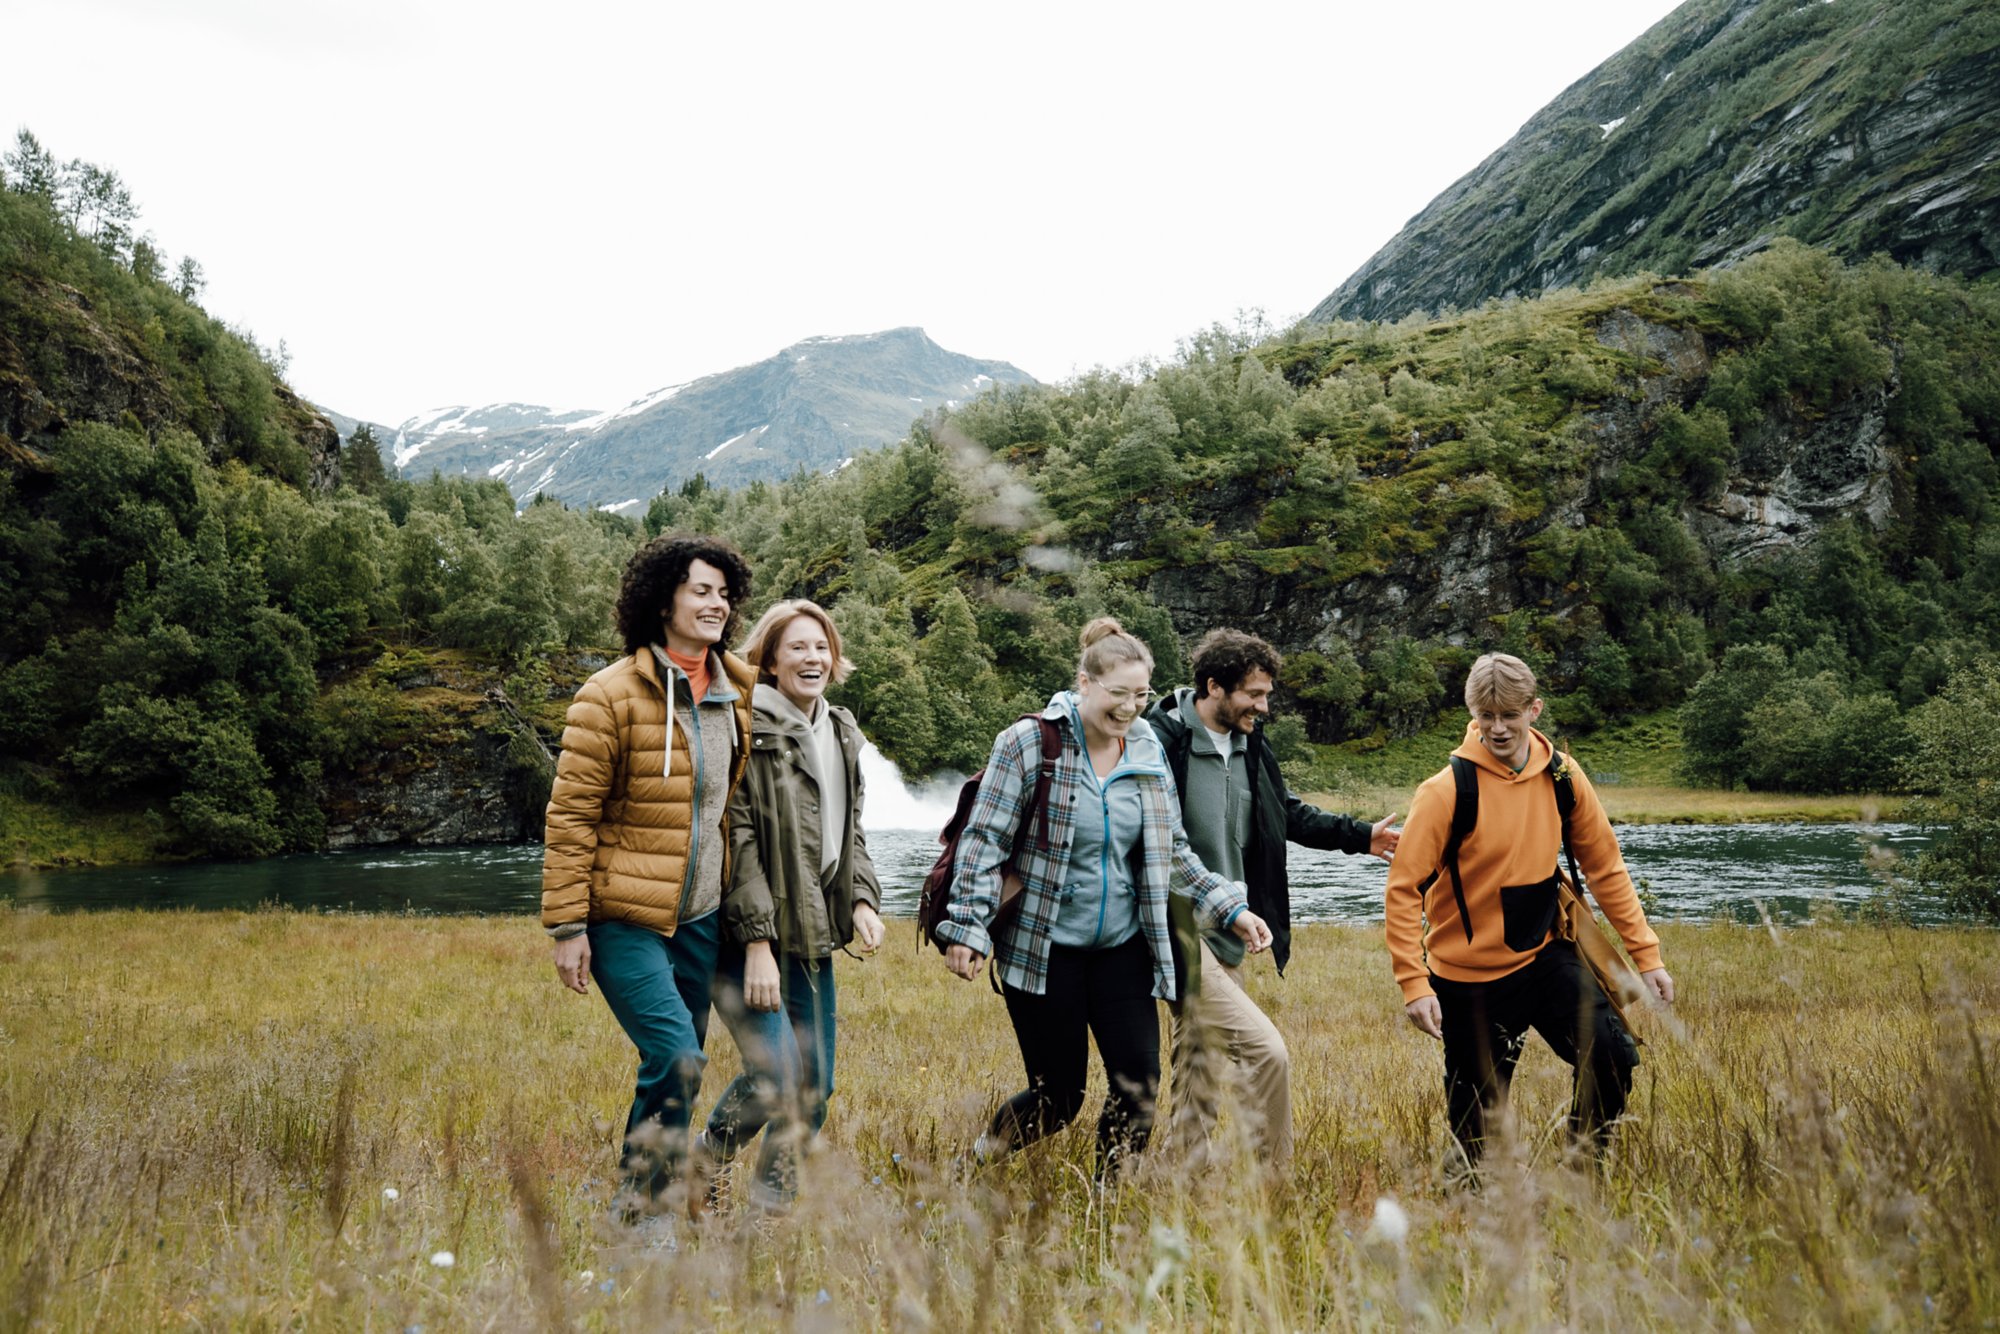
(1861, 128)
(811, 406)
(466, 764)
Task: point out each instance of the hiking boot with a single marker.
(707, 1179)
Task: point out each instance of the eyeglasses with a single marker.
(1126, 695)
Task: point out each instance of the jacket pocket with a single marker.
(1528, 912)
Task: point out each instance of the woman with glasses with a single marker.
(1088, 954)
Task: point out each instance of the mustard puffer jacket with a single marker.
(619, 815)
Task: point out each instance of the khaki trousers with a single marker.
(1230, 1046)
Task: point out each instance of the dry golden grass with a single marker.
(200, 1114)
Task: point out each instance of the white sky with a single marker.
(436, 201)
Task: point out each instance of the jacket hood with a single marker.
(772, 711)
(1142, 747)
(1540, 751)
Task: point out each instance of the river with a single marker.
(1738, 872)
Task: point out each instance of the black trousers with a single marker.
(1106, 994)
(1486, 1024)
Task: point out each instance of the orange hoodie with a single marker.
(1518, 841)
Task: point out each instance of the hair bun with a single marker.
(1101, 628)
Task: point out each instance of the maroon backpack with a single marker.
(936, 896)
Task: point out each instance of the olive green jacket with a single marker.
(775, 891)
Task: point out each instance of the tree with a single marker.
(958, 675)
(1955, 767)
(100, 208)
(33, 170)
(1712, 718)
(361, 462)
(189, 280)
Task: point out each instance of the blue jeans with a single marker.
(658, 988)
(787, 1068)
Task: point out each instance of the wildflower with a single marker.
(895, 1157)
(391, 1194)
(585, 1276)
(822, 1297)
(1390, 1224)
(443, 1259)
(608, 1285)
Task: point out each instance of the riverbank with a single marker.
(1660, 805)
(1634, 765)
(202, 1117)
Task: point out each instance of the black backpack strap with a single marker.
(1565, 803)
(1465, 815)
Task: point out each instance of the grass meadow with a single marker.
(203, 1117)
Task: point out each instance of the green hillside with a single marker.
(191, 596)
(1860, 128)
(222, 635)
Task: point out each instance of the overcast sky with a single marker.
(438, 203)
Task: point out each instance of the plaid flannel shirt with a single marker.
(1021, 956)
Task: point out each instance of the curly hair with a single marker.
(1227, 656)
(647, 591)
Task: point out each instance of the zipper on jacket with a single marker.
(695, 797)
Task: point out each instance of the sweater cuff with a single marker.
(567, 930)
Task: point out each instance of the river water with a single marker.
(1739, 872)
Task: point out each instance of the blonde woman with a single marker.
(1088, 955)
(802, 886)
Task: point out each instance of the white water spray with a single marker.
(889, 803)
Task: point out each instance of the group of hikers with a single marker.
(705, 851)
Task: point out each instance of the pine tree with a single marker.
(361, 462)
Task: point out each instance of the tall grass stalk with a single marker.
(201, 1114)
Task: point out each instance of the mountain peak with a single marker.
(1729, 123)
(814, 405)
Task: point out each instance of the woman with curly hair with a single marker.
(638, 834)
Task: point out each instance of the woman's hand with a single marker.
(868, 926)
(963, 961)
(573, 963)
(760, 977)
(1251, 930)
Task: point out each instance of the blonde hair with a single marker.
(762, 645)
(1499, 681)
(1107, 644)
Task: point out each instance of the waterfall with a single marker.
(888, 802)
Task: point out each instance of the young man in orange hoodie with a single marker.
(1492, 965)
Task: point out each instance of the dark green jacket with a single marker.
(1276, 817)
(775, 892)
